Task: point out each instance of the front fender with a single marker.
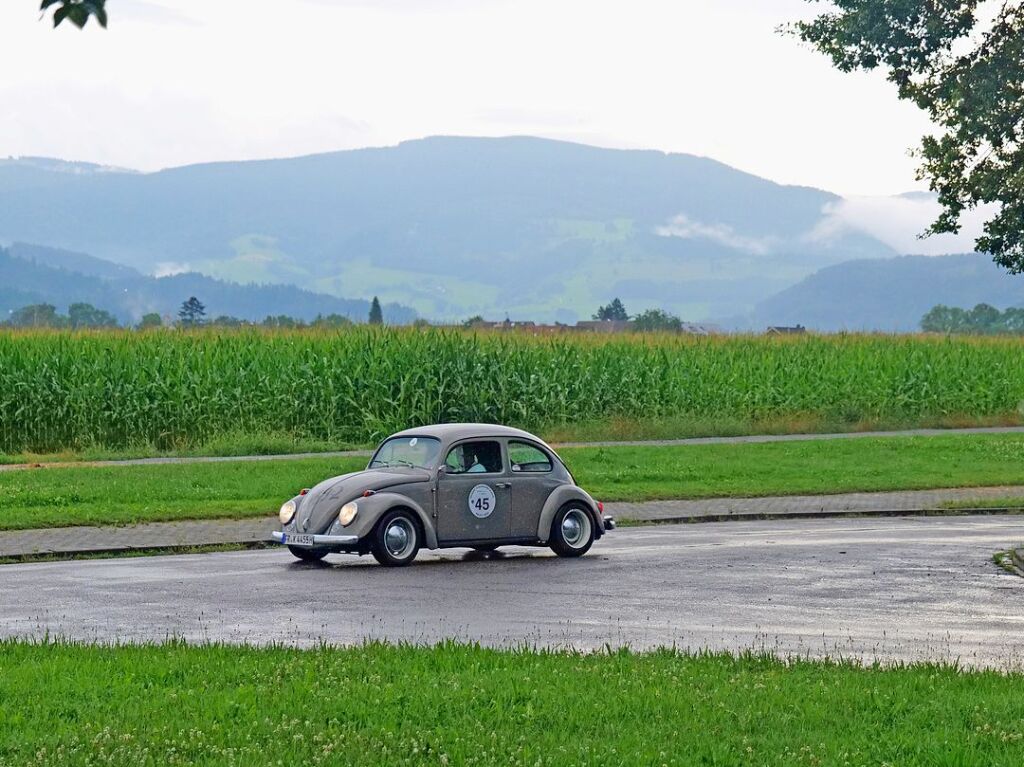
(561, 496)
(373, 507)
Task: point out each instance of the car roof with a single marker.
(451, 432)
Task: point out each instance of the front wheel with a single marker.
(307, 555)
(572, 532)
(396, 539)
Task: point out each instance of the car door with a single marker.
(473, 502)
(532, 475)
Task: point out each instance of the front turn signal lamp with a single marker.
(287, 512)
(348, 513)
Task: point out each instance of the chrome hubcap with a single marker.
(575, 528)
(399, 538)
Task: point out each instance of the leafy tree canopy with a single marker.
(613, 311)
(37, 316)
(151, 320)
(331, 321)
(78, 12)
(82, 315)
(981, 320)
(962, 61)
(657, 320)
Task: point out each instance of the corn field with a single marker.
(63, 390)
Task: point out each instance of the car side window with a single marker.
(526, 458)
(474, 458)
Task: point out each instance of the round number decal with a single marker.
(481, 501)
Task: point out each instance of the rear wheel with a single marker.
(307, 555)
(396, 539)
(572, 531)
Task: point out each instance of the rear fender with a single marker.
(561, 496)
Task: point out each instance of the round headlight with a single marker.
(287, 512)
(348, 513)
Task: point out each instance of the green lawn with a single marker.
(457, 705)
(125, 494)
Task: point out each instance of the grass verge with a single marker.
(617, 429)
(127, 494)
(172, 704)
(630, 429)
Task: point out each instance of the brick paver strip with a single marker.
(159, 535)
(627, 443)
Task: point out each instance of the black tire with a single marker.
(572, 531)
(396, 539)
(307, 555)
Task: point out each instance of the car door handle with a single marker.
(504, 485)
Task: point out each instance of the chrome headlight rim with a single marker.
(287, 512)
(347, 513)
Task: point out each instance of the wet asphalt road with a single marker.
(894, 588)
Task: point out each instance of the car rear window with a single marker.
(525, 457)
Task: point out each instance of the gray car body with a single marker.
(525, 506)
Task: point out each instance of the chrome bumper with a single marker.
(318, 540)
(609, 522)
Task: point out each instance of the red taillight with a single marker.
(303, 491)
(600, 507)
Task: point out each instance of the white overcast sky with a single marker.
(181, 81)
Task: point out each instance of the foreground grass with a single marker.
(384, 705)
(125, 494)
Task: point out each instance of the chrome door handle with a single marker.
(504, 485)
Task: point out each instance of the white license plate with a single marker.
(297, 539)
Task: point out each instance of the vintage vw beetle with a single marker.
(454, 485)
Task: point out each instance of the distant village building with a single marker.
(604, 326)
(700, 328)
(585, 326)
(785, 330)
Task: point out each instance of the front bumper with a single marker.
(609, 522)
(318, 540)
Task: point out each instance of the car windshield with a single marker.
(411, 452)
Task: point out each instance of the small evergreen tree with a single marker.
(376, 315)
(192, 312)
(613, 311)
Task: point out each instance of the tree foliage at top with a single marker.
(78, 12)
(967, 72)
(613, 311)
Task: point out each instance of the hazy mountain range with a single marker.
(531, 228)
(890, 293)
(32, 274)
